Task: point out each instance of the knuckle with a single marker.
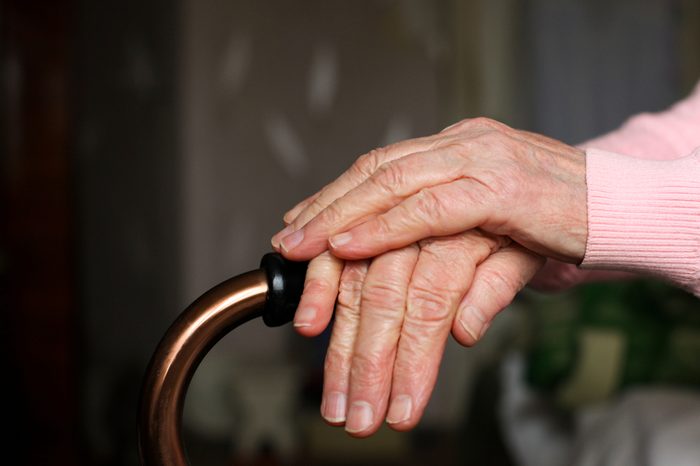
(383, 296)
(307, 214)
(428, 205)
(390, 177)
(347, 311)
(337, 362)
(457, 250)
(317, 286)
(337, 359)
(367, 163)
(481, 122)
(354, 271)
(456, 126)
(428, 304)
(315, 208)
(478, 123)
(489, 123)
(368, 369)
(377, 156)
(332, 214)
(381, 226)
(349, 294)
(465, 122)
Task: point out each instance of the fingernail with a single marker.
(291, 241)
(304, 317)
(359, 417)
(340, 240)
(333, 407)
(472, 320)
(281, 234)
(400, 409)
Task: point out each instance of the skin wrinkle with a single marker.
(428, 308)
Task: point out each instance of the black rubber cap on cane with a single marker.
(285, 282)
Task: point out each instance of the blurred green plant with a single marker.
(591, 343)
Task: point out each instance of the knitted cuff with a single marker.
(644, 216)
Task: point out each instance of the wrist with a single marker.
(553, 219)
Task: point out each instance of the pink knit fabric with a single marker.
(643, 202)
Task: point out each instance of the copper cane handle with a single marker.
(271, 292)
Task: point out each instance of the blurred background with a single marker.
(150, 148)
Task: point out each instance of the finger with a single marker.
(438, 211)
(496, 282)
(362, 169)
(336, 373)
(320, 291)
(382, 310)
(441, 278)
(389, 185)
(296, 210)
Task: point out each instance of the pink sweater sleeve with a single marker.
(643, 202)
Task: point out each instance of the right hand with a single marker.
(476, 174)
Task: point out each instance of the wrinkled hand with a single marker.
(475, 174)
(394, 314)
(393, 317)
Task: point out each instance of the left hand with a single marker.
(394, 314)
(475, 174)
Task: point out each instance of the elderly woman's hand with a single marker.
(477, 173)
(393, 316)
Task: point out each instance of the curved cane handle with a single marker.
(272, 292)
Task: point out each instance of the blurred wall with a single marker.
(129, 202)
(596, 63)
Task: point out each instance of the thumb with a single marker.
(496, 282)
